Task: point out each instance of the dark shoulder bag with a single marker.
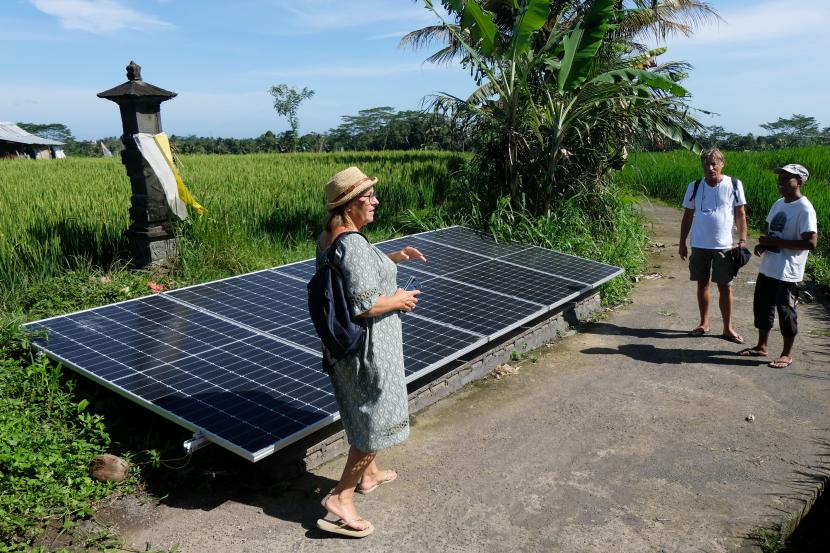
(328, 306)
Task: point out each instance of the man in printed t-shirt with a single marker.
(713, 206)
(792, 232)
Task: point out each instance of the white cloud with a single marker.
(350, 71)
(99, 16)
(769, 22)
(331, 15)
(398, 34)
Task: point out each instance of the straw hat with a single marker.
(347, 185)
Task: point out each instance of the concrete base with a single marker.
(149, 253)
(328, 443)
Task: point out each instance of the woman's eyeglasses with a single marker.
(370, 196)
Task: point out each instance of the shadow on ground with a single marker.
(648, 353)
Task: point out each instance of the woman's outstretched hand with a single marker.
(406, 254)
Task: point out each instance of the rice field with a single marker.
(665, 176)
(261, 209)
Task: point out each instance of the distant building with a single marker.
(17, 143)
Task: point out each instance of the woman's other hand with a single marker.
(406, 299)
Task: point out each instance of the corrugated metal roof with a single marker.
(10, 132)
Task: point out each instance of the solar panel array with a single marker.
(238, 361)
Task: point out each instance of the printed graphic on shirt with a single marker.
(775, 228)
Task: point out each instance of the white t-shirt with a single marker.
(714, 212)
(788, 221)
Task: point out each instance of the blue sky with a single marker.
(766, 59)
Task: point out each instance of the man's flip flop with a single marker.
(697, 332)
(780, 363)
(734, 338)
(749, 352)
(342, 527)
(380, 483)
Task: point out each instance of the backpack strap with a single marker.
(694, 190)
(333, 245)
(734, 189)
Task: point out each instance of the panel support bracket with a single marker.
(198, 441)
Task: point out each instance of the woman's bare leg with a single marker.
(340, 502)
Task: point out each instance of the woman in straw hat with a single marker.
(369, 386)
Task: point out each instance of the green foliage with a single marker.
(798, 130)
(768, 539)
(47, 441)
(665, 175)
(383, 128)
(581, 45)
(561, 96)
(604, 226)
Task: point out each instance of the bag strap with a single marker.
(694, 190)
(333, 245)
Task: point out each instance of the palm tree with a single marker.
(640, 19)
(559, 99)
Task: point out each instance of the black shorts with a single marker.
(773, 295)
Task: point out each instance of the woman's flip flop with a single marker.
(380, 483)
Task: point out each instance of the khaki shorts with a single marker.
(710, 264)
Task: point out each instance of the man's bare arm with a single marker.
(685, 227)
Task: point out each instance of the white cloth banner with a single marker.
(155, 158)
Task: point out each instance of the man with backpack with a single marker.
(713, 206)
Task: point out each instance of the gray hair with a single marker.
(712, 153)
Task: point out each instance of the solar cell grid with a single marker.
(472, 241)
(471, 309)
(441, 259)
(303, 270)
(425, 343)
(513, 281)
(563, 265)
(265, 300)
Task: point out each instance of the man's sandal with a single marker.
(780, 363)
(750, 352)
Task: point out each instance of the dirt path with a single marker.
(628, 437)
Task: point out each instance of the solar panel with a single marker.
(243, 390)
(238, 359)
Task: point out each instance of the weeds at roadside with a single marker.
(768, 539)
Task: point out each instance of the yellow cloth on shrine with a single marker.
(185, 195)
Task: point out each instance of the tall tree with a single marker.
(287, 102)
(53, 131)
(798, 130)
